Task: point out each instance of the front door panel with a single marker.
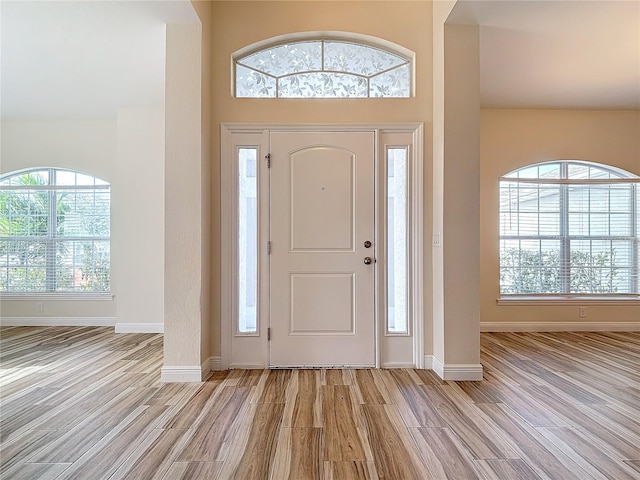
(321, 215)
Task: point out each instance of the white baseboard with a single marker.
(205, 369)
(181, 374)
(187, 374)
(397, 365)
(438, 367)
(560, 326)
(139, 327)
(215, 364)
(57, 321)
(457, 372)
(463, 372)
(428, 362)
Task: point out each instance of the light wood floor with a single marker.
(86, 403)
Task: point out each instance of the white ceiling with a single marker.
(557, 54)
(86, 59)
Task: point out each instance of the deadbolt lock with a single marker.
(367, 244)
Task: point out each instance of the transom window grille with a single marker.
(569, 227)
(54, 232)
(323, 69)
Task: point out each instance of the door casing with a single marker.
(251, 350)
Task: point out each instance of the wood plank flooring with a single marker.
(85, 403)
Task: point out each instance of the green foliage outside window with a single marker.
(539, 272)
(68, 253)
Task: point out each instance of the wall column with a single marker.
(456, 262)
(183, 205)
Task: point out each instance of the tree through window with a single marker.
(54, 232)
(569, 227)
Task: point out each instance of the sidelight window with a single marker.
(396, 241)
(247, 239)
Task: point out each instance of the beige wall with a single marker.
(513, 138)
(238, 24)
(121, 151)
(434, 337)
(456, 164)
(137, 221)
(460, 203)
(85, 145)
(204, 9)
(183, 267)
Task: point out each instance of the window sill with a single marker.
(549, 300)
(27, 297)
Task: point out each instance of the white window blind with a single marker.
(54, 232)
(569, 228)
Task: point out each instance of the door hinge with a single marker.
(268, 157)
(269, 247)
(268, 333)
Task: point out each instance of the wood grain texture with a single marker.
(394, 454)
(216, 427)
(85, 403)
(257, 458)
(370, 389)
(193, 470)
(507, 470)
(355, 470)
(342, 425)
(299, 454)
(304, 404)
(444, 455)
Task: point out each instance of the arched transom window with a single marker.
(569, 227)
(323, 68)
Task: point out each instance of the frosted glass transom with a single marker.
(358, 59)
(254, 84)
(322, 69)
(286, 59)
(322, 85)
(392, 83)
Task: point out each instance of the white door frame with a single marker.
(241, 350)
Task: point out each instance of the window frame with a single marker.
(251, 351)
(391, 262)
(565, 237)
(53, 237)
(360, 40)
(242, 266)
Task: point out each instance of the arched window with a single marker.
(323, 68)
(54, 232)
(569, 227)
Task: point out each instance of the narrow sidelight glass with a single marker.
(247, 240)
(397, 240)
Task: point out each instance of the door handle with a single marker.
(367, 260)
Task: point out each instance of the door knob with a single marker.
(367, 260)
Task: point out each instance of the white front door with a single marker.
(322, 253)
